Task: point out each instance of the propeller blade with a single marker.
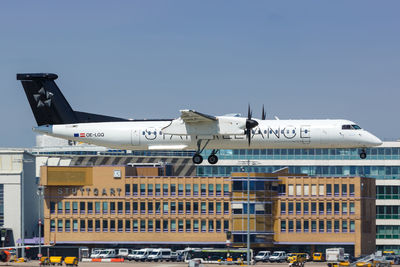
(263, 115)
(250, 124)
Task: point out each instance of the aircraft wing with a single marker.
(195, 123)
(191, 116)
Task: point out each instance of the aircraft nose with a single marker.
(372, 140)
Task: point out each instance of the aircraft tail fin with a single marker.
(49, 105)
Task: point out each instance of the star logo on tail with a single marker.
(43, 98)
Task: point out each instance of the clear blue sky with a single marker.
(148, 59)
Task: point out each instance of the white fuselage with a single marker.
(150, 135)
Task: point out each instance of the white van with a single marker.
(142, 254)
(262, 256)
(123, 253)
(95, 253)
(278, 256)
(132, 254)
(160, 254)
(107, 253)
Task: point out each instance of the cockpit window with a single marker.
(351, 127)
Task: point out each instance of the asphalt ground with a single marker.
(157, 264)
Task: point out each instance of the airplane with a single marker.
(191, 131)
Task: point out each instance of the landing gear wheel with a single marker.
(363, 154)
(197, 159)
(212, 159)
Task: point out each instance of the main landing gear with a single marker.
(198, 159)
(363, 154)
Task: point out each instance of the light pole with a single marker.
(40, 194)
(248, 212)
(22, 212)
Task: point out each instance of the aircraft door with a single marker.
(305, 134)
(135, 138)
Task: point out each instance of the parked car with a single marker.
(278, 256)
(318, 256)
(262, 256)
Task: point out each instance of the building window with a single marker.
(173, 225)
(283, 226)
(150, 189)
(195, 190)
(352, 208)
(291, 226)
(211, 190)
(336, 189)
(226, 189)
(351, 187)
(105, 207)
(306, 190)
(142, 207)
(328, 207)
(210, 225)
(52, 225)
(321, 190)
(195, 207)
(127, 189)
(203, 189)
(336, 207)
(298, 207)
(298, 226)
(165, 225)
(143, 225)
(188, 226)
(135, 225)
(120, 226)
(313, 189)
(75, 207)
(218, 207)
(135, 189)
(344, 226)
(226, 225)
(97, 226)
(173, 189)
(173, 207)
(352, 226)
(135, 207)
(158, 226)
(298, 189)
(188, 189)
(313, 226)
(195, 226)
(90, 207)
(150, 209)
(97, 207)
(210, 207)
(150, 226)
(226, 207)
(165, 207)
(321, 226)
(165, 189)
(180, 189)
(290, 190)
(305, 207)
(67, 207)
(83, 225)
(75, 225)
(142, 189)
(329, 190)
(203, 226)
(344, 208)
(344, 189)
(313, 208)
(158, 189)
(306, 226)
(203, 207)
(218, 226)
(52, 207)
(290, 207)
(158, 207)
(180, 226)
(90, 225)
(218, 190)
(321, 208)
(180, 207)
(59, 207)
(127, 207)
(112, 207)
(82, 207)
(127, 225)
(105, 225)
(188, 207)
(112, 225)
(329, 226)
(337, 226)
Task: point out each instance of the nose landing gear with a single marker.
(363, 154)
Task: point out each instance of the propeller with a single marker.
(250, 124)
(264, 114)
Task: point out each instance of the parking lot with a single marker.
(157, 264)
